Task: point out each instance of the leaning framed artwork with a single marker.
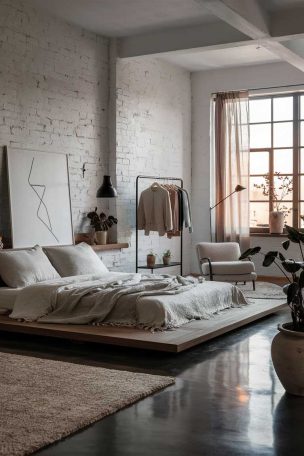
(40, 201)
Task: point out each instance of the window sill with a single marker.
(268, 235)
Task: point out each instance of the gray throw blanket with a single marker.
(121, 299)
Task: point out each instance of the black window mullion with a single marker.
(296, 160)
(271, 165)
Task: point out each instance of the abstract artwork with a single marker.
(39, 198)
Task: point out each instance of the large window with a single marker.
(276, 159)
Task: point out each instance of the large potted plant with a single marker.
(101, 224)
(287, 348)
(277, 190)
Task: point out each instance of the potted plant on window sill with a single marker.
(101, 224)
(287, 348)
(277, 194)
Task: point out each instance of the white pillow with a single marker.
(19, 268)
(75, 260)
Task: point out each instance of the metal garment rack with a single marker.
(158, 266)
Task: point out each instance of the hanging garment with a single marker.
(174, 200)
(181, 209)
(187, 218)
(154, 210)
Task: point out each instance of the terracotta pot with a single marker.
(287, 351)
(101, 237)
(151, 261)
(166, 260)
(276, 222)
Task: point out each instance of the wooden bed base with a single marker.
(173, 341)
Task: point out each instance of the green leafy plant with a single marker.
(167, 253)
(151, 253)
(101, 222)
(293, 271)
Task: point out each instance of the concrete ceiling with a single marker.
(116, 18)
(221, 58)
(195, 34)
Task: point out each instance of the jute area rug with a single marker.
(43, 401)
(263, 290)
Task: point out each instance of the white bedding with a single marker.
(8, 297)
(122, 299)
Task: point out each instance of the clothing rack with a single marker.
(158, 266)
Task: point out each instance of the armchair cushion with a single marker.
(229, 268)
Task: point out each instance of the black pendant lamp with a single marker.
(106, 190)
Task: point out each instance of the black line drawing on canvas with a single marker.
(47, 223)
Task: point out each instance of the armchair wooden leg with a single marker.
(244, 283)
(253, 283)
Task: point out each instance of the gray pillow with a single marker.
(75, 260)
(19, 268)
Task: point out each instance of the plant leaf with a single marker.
(293, 234)
(291, 266)
(250, 252)
(286, 244)
(269, 258)
(281, 256)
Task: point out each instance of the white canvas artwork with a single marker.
(39, 198)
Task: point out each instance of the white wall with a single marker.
(54, 97)
(153, 119)
(203, 85)
(54, 81)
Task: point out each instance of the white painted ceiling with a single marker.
(127, 18)
(117, 18)
(221, 58)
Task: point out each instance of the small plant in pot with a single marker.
(151, 257)
(101, 224)
(287, 348)
(167, 257)
(277, 189)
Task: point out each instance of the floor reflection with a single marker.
(226, 401)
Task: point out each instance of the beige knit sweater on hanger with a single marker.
(154, 210)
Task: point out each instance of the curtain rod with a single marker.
(262, 88)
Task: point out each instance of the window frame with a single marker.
(296, 153)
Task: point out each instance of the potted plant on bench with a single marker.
(101, 224)
(287, 348)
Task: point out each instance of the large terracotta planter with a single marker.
(276, 222)
(101, 237)
(287, 351)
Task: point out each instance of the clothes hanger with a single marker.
(155, 186)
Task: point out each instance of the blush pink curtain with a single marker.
(231, 162)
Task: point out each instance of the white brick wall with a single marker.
(153, 120)
(54, 97)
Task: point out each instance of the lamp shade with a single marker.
(239, 188)
(106, 190)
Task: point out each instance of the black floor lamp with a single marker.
(237, 189)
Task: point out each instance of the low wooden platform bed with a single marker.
(174, 341)
(68, 293)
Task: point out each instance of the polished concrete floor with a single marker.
(226, 401)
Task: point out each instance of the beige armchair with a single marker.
(220, 261)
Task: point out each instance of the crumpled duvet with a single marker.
(122, 299)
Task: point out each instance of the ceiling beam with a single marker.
(244, 15)
(249, 18)
(181, 38)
